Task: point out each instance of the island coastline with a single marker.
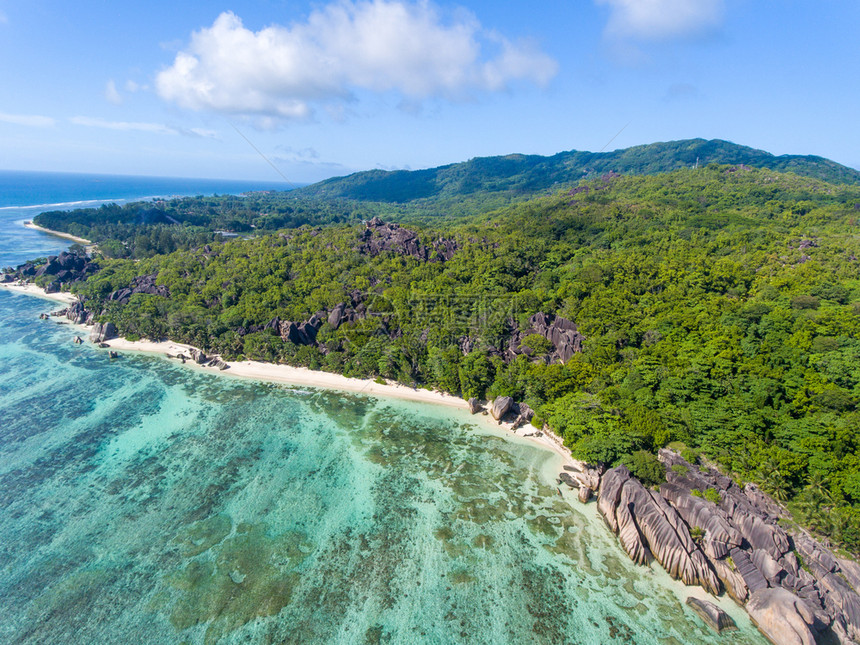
(65, 236)
(304, 377)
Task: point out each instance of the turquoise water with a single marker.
(144, 502)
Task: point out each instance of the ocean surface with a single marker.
(143, 502)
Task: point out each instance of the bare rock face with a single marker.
(584, 494)
(720, 536)
(379, 236)
(501, 406)
(474, 406)
(140, 284)
(524, 415)
(647, 525)
(77, 314)
(783, 617)
(760, 535)
(302, 333)
(199, 357)
(102, 332)
(590, 479)
(753, 578)
(336, 315)
(714, 617)
(561, 332)
(732, 581)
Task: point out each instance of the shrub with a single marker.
(645, 467)
(690, 455)
(712, 495)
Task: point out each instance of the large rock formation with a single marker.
(714, 617)
(304, 333)
(140, 284)
(784, 618)
(379, 236)
(647, 525)
(562, 333)
(65, 268)
(102, 332)
(739, 545)
(501, 406)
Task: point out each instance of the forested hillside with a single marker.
(516, 175)
(430, 197)
(717, 307)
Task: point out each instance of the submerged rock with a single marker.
(714, 617)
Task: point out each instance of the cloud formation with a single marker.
(124, 126)
(30, 120)
(662, 19)
(137, 126)
(112, 94)
(378, 45)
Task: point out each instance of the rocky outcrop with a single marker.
(714, 617)
(562, 333)
(77, 313)
(304, 333)
(474, 406)
(524, 414)
(378, 237)
(198, 356)
(784, 618)
(500, 407)
(720, 536)
(102, 332)
(65, 268)
(140, 284)
(647, 525)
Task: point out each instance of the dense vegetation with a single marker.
(144, 229)
(513, 175)
(720, 309)
(447, 193)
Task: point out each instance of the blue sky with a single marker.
(326, 88)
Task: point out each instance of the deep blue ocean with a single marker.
(143, 502)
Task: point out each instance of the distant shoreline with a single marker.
(289, 375)
(65, 236)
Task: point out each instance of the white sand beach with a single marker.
(67, 236)
(32, 290)
(301, 376)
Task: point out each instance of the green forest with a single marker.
(719, 309)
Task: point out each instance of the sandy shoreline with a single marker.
(66, 236)
(302, 376)
(30, 289)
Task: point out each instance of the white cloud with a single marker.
(137, 126)
(662, 19)
(378, 45)
(125, 126)
(201, 133)
(111, 93)
(132, 86)
(31, 120)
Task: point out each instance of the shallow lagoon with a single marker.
(146, 502)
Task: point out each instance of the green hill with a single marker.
(528, 174)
